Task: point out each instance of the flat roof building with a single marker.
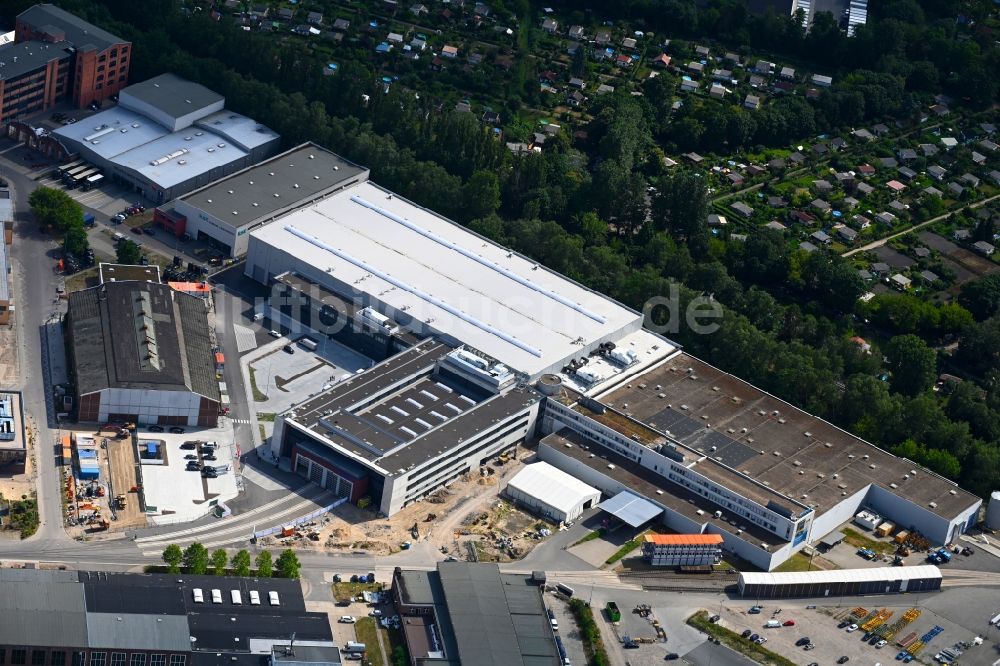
(841, 582)
(440, 278)
(470, 613)
(225, 210)
(141, 352)
(168, 136)
(12, 444)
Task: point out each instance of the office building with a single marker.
(57, 56)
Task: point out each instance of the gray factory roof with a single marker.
(22, 58)
(112, 132)
(173, 95)
(246, 132)
(457, 283)
(398, 414)
(127, 630)
(497, 619)
(77, 31)
(33, 613)
(757, 439)
(163, 162)
(141, 335)
(286, 181)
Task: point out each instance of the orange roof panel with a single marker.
(196, 287)
(684, 539)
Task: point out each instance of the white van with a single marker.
(199, 598)
(272, 598)
(235, 596)
(771, 624)
(216, 596)
(254, 598)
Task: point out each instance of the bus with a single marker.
(81, 177)
(94, 181)
(63, 168)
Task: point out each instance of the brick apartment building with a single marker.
(57, 56)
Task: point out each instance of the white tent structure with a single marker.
(551, 492)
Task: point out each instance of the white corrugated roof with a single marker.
(922, 571)
(552, 486)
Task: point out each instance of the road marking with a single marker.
(240, 420)
(245, 338)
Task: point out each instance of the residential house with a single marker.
(481, 10)
(888, 162)
(731, 58)
(847, 234)
(777, 164)
(743, 209)
(450, 52)
(722, 75)
(863, 134)
(940, 110)
(605, 88)
(989, 128)
(797, 157)
(880, 129)
(702, 51)
(820, 149)
(259, 11)
(822, 185)
(820, 206)
(787, 73)
(764, 67)
(491, 117)
(907, 173)
(695, 67)
(394, 38)
(928, 149)
(922, 252)
(315, 18)
(949, 142)
(865, 275)
(463, 107)
(866, 169)
(937, 172)
(576, 32)
(689, 86)
(837, 143)
(715, 220)
(886, 218)
(419, 10)
(623, 60)
(802, 217)
(751, 102)
(603, 37)
(756, 81)
(575, 98)
(880, 268)
(995, 176)
(662, 60)
(984, 248)
(956, 189)
(341, 24)
(628, 43)
(734, 178)
(933, 191)
(844, 179)
(900, 281)
(970, 180)
(929, 277)
(978, 158)
(986, 144)
(865, 189)
(383, 48)
(694, 157)
(417, 44)
(898, 206)
(577, 83)
(821, 236)
(849, 203)
(776, 226)
(717, 91)
(861, 222)
(895, 186)
(821, 80)
(285, 14)
(776, 202)
(755, 170)
(807, 247)
(961, 234)
(550, 26)
(907, 154)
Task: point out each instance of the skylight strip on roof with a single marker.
(480, 260)
(433, 300)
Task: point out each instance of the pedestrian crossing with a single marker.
(240, 420)
(245, 338)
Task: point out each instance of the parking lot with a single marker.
(178, 494)
(568, 631)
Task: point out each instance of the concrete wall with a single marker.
(906, 515)
(837, 515)
(148, 405)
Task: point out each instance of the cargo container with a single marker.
(885, 529)
(902, 536)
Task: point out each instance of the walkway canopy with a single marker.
(631, 509)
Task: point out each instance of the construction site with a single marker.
(100, 482)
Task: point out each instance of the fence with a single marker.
(301, 519)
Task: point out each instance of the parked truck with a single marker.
(89, 220)
(614, 614)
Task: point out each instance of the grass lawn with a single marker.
(257, 395)
(367, 632)
(733, 640)
(82, 280)
(797, 562)
(596, 534)
(347, 590)
(859, 540)
(626, 548)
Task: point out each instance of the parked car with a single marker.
(188, 446)
(209, 473)
(137, 231)
(802, 641)
(754, 637)
(844, 659)
(347, 619)
(190, 456)
(208, 456)
(754, 610)
(288, 349)
(844, 624)
(343, 603)
(155, 428)
(746, 633)
(881, 644)
(274, 334)
(671, 656)
(788, 623)
(177, 431)
(852, 628)
(714, 619)
(809, 647)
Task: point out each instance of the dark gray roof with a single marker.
(173, 95)
(141, 335)
(34, 612)
(77, 31)
(18, 59)
(498, 620)
(299, 176)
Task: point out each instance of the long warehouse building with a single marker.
(840, 582)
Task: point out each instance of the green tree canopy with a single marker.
(913, 364)
(75, 241)
(264, 564)
(54, 210)
(128, 252)
(240, 563)
(288, 564)
(196, 559)
(982, 297)
(219, 562)
(172, 557)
